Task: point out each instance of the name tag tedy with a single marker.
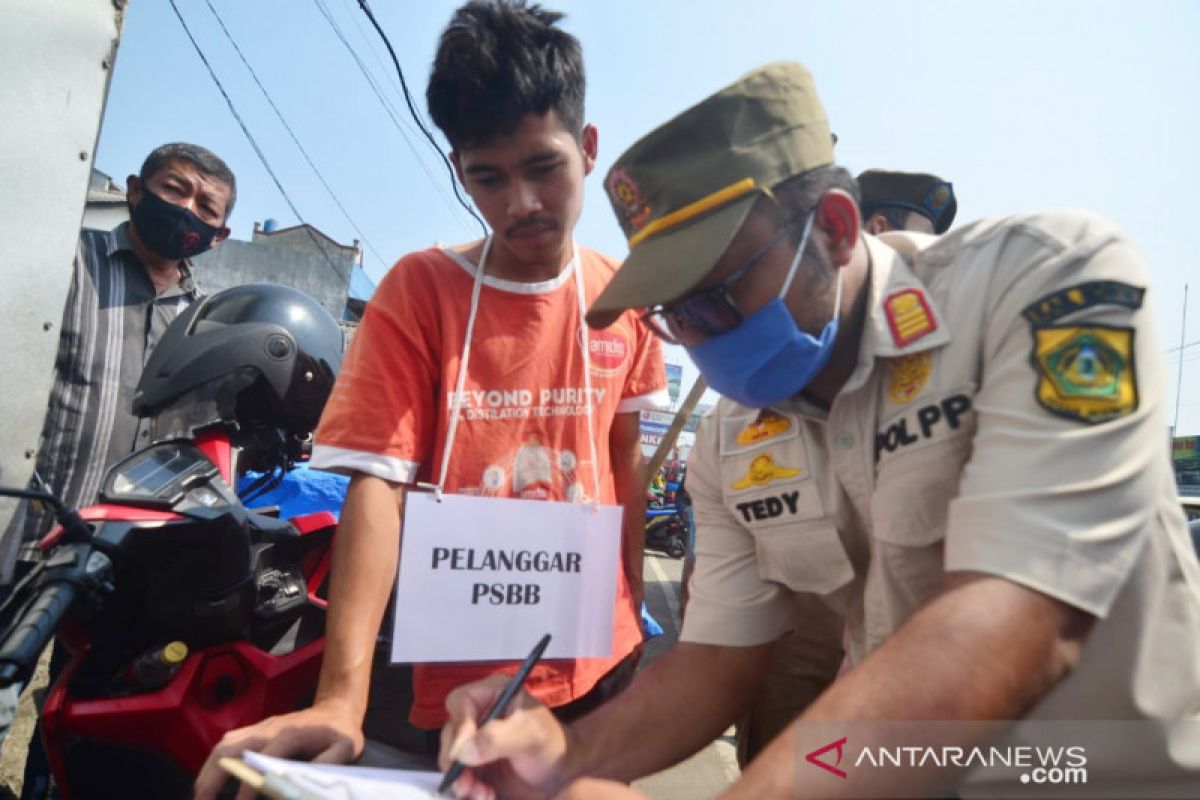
(481, 577)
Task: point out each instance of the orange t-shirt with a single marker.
(522, 429)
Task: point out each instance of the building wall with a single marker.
(104, 216)
(234, 263)
(105, 208)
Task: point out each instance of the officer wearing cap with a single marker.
(954, 445)
(905, 201)
(798, 672)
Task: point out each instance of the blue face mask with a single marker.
(767, 359)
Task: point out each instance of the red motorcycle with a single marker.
(184, 613)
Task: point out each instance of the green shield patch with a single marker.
(1085, 373)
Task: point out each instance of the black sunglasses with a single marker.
(712, 311)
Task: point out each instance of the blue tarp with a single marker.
(303, 491)
(361, 286)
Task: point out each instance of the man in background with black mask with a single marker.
(128, 285)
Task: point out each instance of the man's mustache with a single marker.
(531, 222)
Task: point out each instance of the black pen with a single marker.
(506, 696)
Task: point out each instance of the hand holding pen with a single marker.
(461, 705)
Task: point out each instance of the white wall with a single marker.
(104, 216)
(55, 59)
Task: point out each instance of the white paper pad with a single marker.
(329, 782)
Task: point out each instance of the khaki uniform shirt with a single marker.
(1005, 416)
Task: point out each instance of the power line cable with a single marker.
(390, 110)
(372, 46)
(254, 144)
(367, 73)
(1182, 347)
(400, 85)
(292, 133)
(417, 117)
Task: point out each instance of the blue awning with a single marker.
(361, 287)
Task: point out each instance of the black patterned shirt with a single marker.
(112, 320)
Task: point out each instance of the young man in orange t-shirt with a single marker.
(507, 90)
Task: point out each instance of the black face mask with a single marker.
(169, 230)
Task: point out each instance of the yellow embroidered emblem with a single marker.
(627, 198)
(762, 471)
(908, 376)
(1085, 373)
(941, 195)
(768, 425)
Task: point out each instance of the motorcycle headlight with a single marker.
(205, 496)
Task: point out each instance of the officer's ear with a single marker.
(837, 220)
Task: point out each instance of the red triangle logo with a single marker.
(815, 757)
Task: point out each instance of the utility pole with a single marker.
(1179, 378)
(681, 418)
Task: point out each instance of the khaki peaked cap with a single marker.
(683, 190)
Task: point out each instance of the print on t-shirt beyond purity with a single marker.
(497, 404)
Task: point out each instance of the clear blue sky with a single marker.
(1023, 105)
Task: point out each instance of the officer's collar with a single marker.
(902, 317)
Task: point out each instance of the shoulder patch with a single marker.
(1058, 304)
(1085, 373)
(909, 316)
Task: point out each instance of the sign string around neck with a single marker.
(460, 381)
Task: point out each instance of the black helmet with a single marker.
(255, 357)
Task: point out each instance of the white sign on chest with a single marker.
(481, 576)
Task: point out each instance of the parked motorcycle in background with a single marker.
(185, 613)
(667, 529)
